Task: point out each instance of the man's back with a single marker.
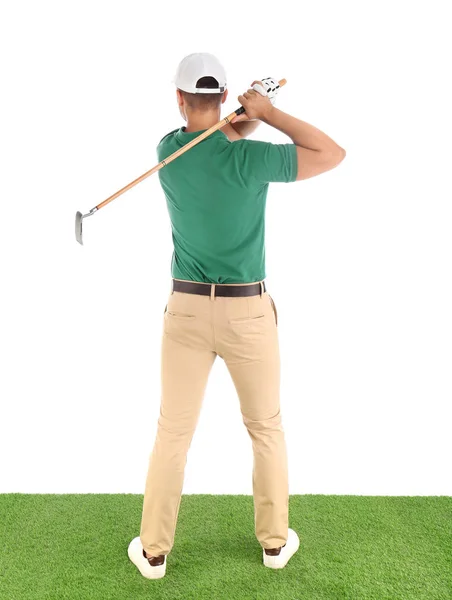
(216, 196)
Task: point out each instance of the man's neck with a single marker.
(198, 123)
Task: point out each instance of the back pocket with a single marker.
(179, 315)
(246, 319)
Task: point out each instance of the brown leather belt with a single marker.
(205, 289)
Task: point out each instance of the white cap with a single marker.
(197, 65)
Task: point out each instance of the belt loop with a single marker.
(172, 286)
(262, 288)
(212, 291)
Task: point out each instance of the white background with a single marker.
(358, 259)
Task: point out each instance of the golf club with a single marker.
(79, 216)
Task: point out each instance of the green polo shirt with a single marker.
(216, 195)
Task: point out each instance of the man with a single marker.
(218, 305)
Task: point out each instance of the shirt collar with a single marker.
(184, 136)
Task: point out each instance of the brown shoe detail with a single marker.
(154, 561)
(273, 551)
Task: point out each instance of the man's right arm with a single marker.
(316, 151)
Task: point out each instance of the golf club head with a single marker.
(78, 224)
(78, 227)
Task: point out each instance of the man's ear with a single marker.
(225, 95)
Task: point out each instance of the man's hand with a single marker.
(244, 116)
(256, 106)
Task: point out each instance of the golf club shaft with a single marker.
(173, 156)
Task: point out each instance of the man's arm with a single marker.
(316, 151)
(242, 125)
(241, 129)
(302, 134)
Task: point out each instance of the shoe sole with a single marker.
(281, 560)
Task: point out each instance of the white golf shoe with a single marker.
(280, 560)
(146, 568)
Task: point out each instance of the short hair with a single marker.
(201, 101)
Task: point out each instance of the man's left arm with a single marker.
(241, 129)
(242, 126)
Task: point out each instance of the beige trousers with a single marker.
(243, 331)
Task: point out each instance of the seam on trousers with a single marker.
(275, 312)
(176, 513)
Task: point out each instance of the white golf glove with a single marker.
(270, 88)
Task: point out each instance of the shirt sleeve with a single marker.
(265, 162)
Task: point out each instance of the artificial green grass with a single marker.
(74, 546)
